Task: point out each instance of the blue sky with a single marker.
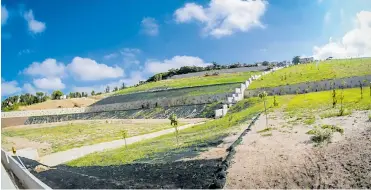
(85, 45)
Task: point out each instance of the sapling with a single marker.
(341, 112)
(275, 103)
(263, 96)
(174, 122)
(124, 134)
(334, 100)
(361, 87)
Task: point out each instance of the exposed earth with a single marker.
(286, 158)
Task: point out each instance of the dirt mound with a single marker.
(67, 103)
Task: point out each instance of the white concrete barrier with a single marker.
(28, 180)
(218, 113)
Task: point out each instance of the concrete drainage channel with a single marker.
(221, 173)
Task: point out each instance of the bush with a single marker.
(323, 134)
(320, 136)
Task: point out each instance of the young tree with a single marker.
(361, 87)
(174, 122)
(124, 135)
(115, 89)
(263, 95)
(296, 60)
(123, 86)
(334, 100)
(57, 94)
(265, 63)
(92, 92)
(341, 111)
(275, 103)
(107, 89)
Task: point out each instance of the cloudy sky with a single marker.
(85, 45)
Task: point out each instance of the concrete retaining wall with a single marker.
(143, 104)
(351, 82)
(28, 180)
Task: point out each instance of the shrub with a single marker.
(324, 133)
(320, 136)
(310, 120)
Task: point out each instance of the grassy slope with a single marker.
(197, 135)
(308, 72)
(76, 135)
(212, 130)
(191, 81)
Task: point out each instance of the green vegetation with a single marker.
(199, 136)
(321, 103)
(190, 82)
(329, 69)
(81, 134)
(310, 120)
(323, 134)
(266, 130)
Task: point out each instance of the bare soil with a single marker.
(67, 103)
(285, 157)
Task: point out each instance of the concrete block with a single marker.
(238, 90)
(218, 113)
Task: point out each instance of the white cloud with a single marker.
(34, 25)
(9, 88)
(48, 68)
(355, 43)
(4, 15)
(223, 18)
(327, 18)
(130, 55)
(28, 88)
(52, 83)
(89, 70)
(153, 66)
(149, 26)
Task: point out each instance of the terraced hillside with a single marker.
(330, 69)
(226, 78)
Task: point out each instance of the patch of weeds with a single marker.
(266, 134)
(335, 113)
(310, 120)
(265, 130)
(320, 136)
(323, 134)
(333, 128)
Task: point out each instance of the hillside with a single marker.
(67, 103)
(309, 72)
(191, 82)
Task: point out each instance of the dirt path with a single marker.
(65, 156)
(285, 158)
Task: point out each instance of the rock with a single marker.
(41, 168)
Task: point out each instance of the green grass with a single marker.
(191, 82)
(321, 102)
(166, 144)
(310, 120)
(265, 130)
(79, 134)
(308, 72)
